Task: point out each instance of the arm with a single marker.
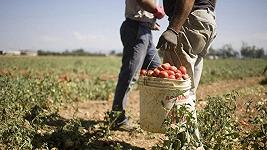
(147, 5)
(151, 6)
(182, 10)
(168, 39)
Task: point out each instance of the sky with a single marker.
(93, 25)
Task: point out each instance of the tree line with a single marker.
(226, 51)
(246, 51)
(76, 52)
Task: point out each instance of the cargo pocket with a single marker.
(199, 29)
(197, 41)
(208, 44)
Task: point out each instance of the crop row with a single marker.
(32, 89)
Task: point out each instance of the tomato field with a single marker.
(56, 102)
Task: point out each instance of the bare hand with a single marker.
(156, 27)
(159, 12)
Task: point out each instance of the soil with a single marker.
(139, 139)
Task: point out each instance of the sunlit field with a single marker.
(32, 89)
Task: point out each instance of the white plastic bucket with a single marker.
(157, 97)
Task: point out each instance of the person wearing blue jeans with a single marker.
(138, 50)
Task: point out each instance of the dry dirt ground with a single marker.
(95, 111)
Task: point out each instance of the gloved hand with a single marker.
(168, 40)
(159, 12)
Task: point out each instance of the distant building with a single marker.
(12, 53)
(18, 53)
(29, 53)
(212, 57)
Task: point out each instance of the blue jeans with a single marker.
(138, 51)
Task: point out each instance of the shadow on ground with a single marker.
(75, 134)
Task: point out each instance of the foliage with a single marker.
(217, 122)
(223, 69)
(227, 51)
(251, 51)
(180, 130)
(75, 52)
(264, 81)
(80, 78)
(30, 119)
(257, 138)
(23, 102)
(246, 51)
(33, 88)
(219, 127)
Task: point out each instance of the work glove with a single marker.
(159, 12)
(168, 40)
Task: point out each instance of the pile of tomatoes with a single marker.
(166, 71)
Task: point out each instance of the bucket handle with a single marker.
(151, 61)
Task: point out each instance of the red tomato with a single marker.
(163, 74)
(182, 69)
(178, 71)
(173, 68)
(150, 73)
(143, 72)
(166, 66)
(185, 76)
(172, 77)
(160, 68)
(170, 72)
(156, 72)
(178, 75)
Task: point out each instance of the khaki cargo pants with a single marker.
(194, 41)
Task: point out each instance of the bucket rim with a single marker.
(163, 79)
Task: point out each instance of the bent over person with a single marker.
(138, 51)
(186, 41)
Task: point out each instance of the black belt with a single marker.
(132, 21)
